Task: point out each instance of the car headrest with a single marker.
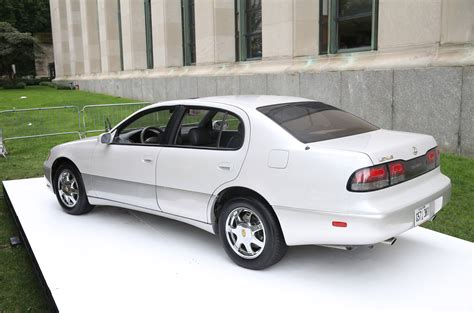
(199, 137)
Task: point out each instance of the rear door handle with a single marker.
(147, 159)
(225, 166)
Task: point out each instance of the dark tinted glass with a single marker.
(315, 121)
(355, 33)
(354, 7)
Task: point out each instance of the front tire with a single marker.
(70, 190)
(251, 234)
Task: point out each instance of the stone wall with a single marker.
(438, 101)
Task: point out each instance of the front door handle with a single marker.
(225, 166)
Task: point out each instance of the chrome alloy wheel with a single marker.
(245, 233)
(68, 188)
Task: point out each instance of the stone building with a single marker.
(401, 64)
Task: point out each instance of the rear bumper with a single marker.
(388, 213)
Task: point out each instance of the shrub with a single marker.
(48, 84)
(63, 87)
(10, 85)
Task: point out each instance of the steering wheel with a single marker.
(156, 130)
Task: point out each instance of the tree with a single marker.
(30, 16)
(15, 48)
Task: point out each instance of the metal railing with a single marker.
(16, 124)
(95, 116)
(40, 122)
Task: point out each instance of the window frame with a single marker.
(333, 28)
(148, 33)
(120, 35)
(241, 34)
(208, 117)
(188, 22)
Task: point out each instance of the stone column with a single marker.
(133, 34)
(90, 36)
(60, 38)
(108, 15)
(215, 31)
(74, 28)
(167, 33)
(293, 22)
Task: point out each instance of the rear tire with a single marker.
(70, 190)
(251, 234)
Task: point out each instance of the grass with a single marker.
(19, 287)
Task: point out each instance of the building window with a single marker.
(189, 33)
(347, 25)
(248, 29)
(119, 13)
(148, 35)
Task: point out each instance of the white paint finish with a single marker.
(312, 183)
(122, 173)
(187, 177)
(389, 144)
(134, 262)
(278, 158)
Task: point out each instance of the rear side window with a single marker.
(315, 121)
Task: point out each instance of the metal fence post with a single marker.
(3, 149)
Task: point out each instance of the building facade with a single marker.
(401, 64)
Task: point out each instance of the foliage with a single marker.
(14, 85)
(15, 48)
(48, 84)
(30, 16)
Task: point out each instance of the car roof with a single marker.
(244, 102)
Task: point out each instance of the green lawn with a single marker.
(19, 287)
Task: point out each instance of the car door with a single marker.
(188, 172)
(125, 168)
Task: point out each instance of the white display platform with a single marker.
(116, 260)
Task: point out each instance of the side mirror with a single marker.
(105, 138)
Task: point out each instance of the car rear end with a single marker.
(402, 188)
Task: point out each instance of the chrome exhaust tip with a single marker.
(390, 241)
(433, 218)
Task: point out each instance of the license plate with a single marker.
(422, 214)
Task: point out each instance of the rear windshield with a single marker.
(315, 121)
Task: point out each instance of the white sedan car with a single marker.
(262, 172)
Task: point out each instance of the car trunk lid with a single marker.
(383, 145)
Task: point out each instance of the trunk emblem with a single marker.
(415, 150)
(386, 158)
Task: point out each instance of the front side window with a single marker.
(347, 25)
(147, 128)
(248, 29)
(210, 128)
(315, 121)
(189, 33)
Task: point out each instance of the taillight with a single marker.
(432, 158)
(371, 178)
(397, 172)
(392, 173)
